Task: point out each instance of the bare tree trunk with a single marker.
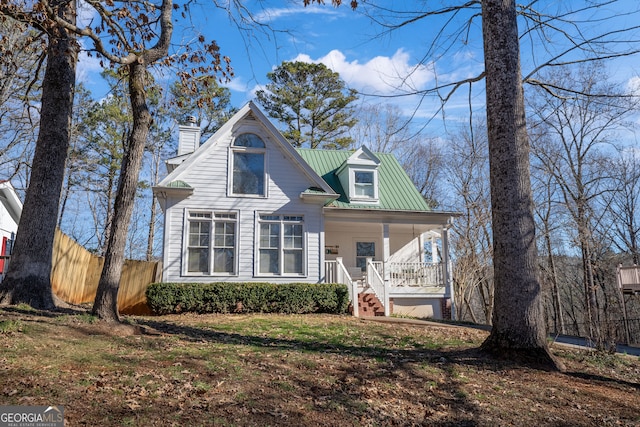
(474, 319)
(487, 297)
(576, 320)
(63, 204)
(591, 302)
(591, 296)
(558, 318)
(106, 303)
(519, 329)
(154, 208)
(108, 217)
(29, 275)
(152, 229)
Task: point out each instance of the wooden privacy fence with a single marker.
(76, 272)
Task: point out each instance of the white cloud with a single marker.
(88, 68)
(382, 75)
(397, 78)
(240, 86)
(633, 85)
(273, 14)
(86, 14)
(393, 76)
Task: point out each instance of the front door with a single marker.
(364, 250)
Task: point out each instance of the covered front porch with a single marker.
(407, 283)
(400, 258)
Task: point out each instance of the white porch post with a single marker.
(446, 272)
(322, 273)
(354, 299)
(386, 254)
(339, 270)
(434, 249)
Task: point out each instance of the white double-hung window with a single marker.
(211, 243)
(198, 242)
(281, 248)
(364, 183)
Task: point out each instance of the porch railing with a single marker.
(401, 274)
(330, 272)
(336, 272)
(415, 274)
(376, 283)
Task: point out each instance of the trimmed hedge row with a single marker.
(229, 297)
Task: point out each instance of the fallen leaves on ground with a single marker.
(320, 370)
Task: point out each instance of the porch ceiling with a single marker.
(411, 220)
(415, 229)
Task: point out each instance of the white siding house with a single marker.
(246, 206)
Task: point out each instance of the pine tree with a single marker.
(313, 103)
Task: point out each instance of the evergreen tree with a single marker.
(313, 103)
(204, 99)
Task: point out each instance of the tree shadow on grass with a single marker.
(602, 379)
(352, 378)
(391, 366)
(473, 357)
(31, 312)
(373, 366)
(196, 334)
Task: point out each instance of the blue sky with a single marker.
(369, 59)
(344, 40)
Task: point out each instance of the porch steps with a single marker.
(369, 305)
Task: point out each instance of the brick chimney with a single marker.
(189, 136)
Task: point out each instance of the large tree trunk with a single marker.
(105, 305)
(28, 278)
(519, 329)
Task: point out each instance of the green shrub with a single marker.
(226, 297)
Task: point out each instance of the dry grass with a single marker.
(272, 370)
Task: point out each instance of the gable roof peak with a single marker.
(250, 111)
(363, 154)
(361, 157)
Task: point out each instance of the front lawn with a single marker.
(296, 370)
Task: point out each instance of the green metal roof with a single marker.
(314, 190)
(178, 184)
(396, 190)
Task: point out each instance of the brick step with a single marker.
(369, 305)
